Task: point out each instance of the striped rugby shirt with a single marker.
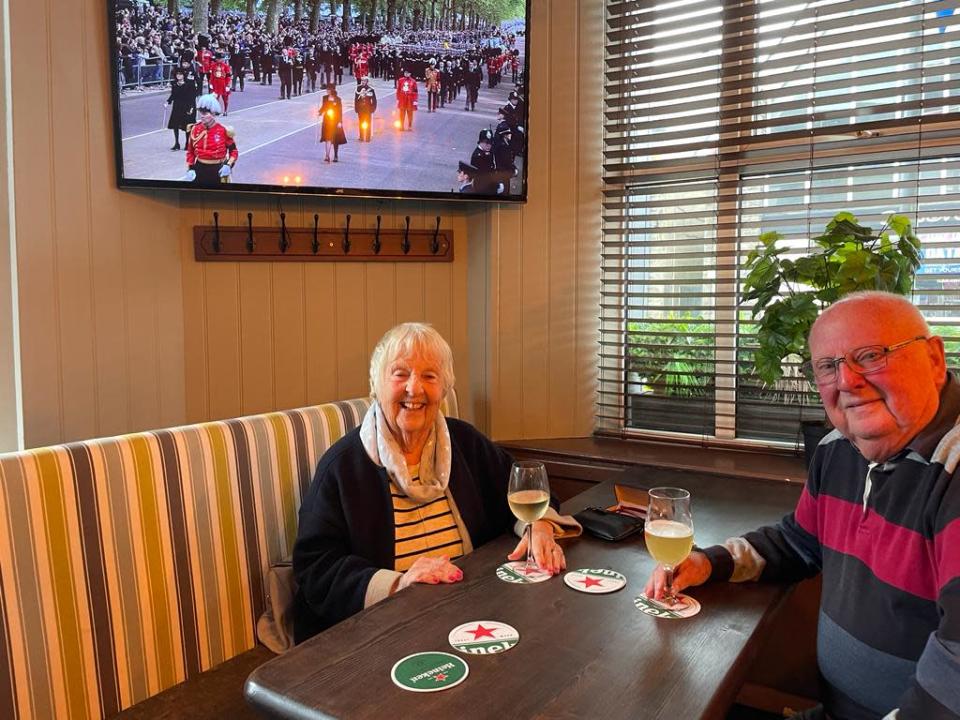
(886, 537)
(422, 529)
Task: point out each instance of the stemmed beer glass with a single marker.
(528, 495)
(669, 531)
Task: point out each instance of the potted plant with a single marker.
(788, 292)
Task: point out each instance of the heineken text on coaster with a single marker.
(516, 572)
(483, 637)
(595, 581)
(685, 607)
(429, 671)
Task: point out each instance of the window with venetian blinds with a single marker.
(726, 119)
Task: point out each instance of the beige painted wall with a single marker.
(101, 314)
(121, 330)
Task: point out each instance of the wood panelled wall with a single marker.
(262, 336)
(100, 309)
(121, 330)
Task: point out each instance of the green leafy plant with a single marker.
(673, 356)
(789, 292)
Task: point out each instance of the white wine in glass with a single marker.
(668, 530)
(528, 495)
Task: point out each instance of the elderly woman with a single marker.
(395, 501)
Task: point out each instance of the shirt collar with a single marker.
(927, 439)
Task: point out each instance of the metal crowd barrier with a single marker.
(143, 76)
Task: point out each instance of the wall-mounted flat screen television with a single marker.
(388, 98)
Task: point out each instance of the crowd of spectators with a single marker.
(150, 41)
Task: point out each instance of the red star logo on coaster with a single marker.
(590, 582)
(439, 677)
(480, 632)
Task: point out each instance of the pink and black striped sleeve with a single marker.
(934, 693)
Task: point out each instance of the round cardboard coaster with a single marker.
(429, 671)
(516, 572)
(595, 581)
(685, 607)
(483, 637)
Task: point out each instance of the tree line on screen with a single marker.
(388, 14)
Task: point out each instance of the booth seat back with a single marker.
(130, 564)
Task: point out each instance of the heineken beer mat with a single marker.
(429, 671)
(685, 607)
(595, 581)
(516, 572)
(483, 637)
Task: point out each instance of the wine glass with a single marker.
(669, 531)
(529, 497)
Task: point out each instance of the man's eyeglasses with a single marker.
(864, 360)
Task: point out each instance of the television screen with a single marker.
(396, 98)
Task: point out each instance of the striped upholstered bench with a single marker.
(131, 564)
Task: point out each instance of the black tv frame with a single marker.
(252, 188)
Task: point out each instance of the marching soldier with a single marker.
(298, 69)
(407, 98)
(220, 80)
(472, 79)
(365, 105)
(433, 86)
(211, 148)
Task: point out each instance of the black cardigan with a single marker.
(346, 528)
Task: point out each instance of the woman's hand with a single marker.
(695, 570)
(547, 554)
(431, 570)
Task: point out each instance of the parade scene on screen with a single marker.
(403, 96)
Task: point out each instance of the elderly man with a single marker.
(879, 517)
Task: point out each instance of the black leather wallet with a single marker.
(608, 525)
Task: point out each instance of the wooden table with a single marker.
(579, 655)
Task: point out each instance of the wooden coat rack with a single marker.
(217, 243)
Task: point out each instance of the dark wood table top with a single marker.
(579, 655)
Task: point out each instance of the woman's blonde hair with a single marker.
(408, 340)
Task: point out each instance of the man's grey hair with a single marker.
(410, 340)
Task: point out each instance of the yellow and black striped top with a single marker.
(422, 528)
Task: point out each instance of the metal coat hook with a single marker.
(435, 243)
(250, 243)
(315, 245)
(405, 244)
(284, 243)
(376, 238)
(346, 236)
(216, 232)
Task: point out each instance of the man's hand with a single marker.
(546, 552)
(431, 570)
(225, 171)
(695, 570)
(190, 176)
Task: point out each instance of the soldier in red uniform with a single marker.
(211, 150)
(205, 58)
(406, 98)
(220, 75)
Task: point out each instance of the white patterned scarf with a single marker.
(385, 451)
